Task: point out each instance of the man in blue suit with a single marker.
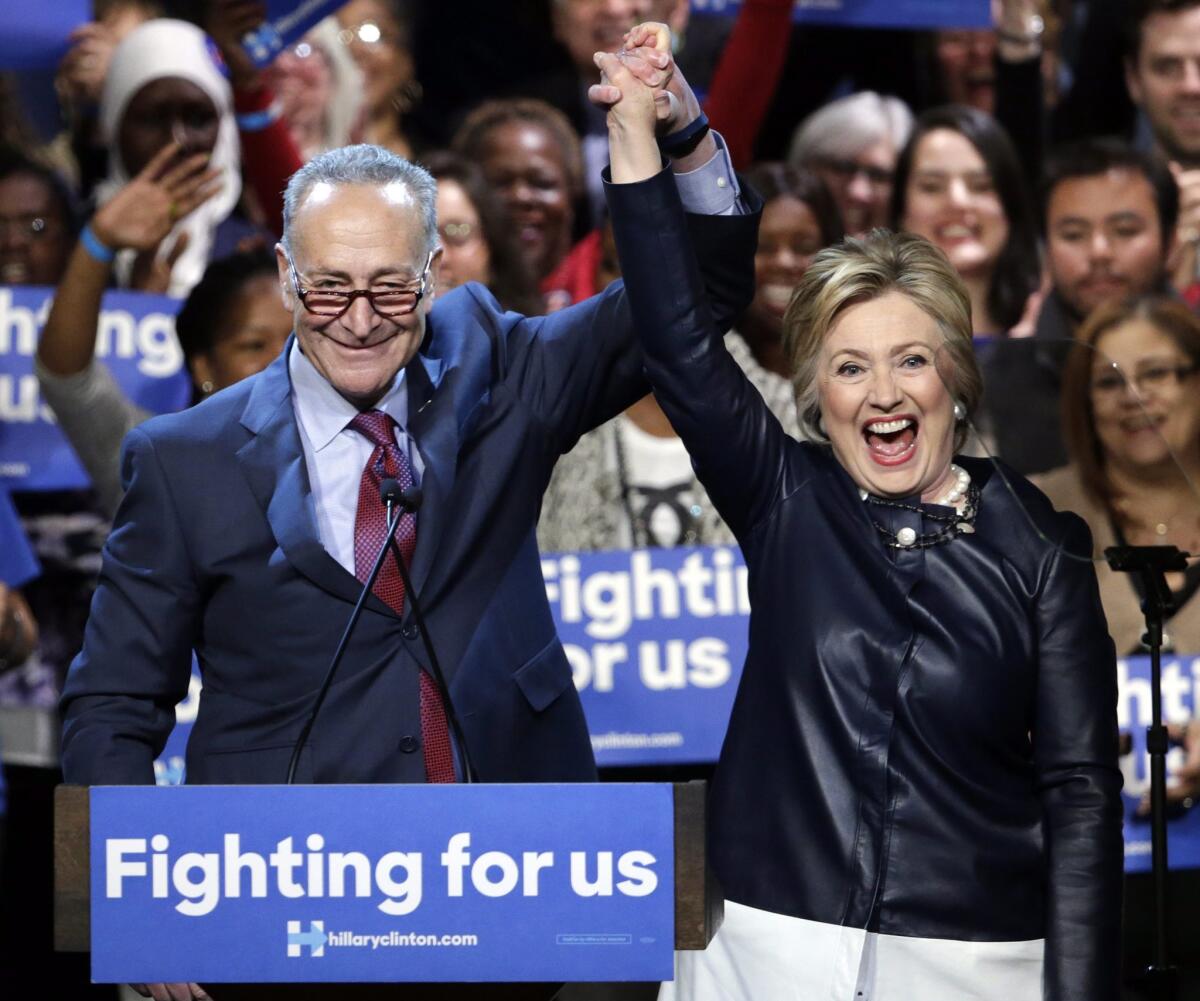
(237, 535)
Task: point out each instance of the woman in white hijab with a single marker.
(163, 84)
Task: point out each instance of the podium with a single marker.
(497, 891)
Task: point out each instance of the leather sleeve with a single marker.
(582, 366)
(119, 699)
(1075, 755)
(736, 444)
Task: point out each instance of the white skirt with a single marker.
(762, 956)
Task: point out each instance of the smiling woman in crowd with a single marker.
(1131, 419)
(531, 156)
(959, 185)
(478, 244)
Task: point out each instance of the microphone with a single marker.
(391, 493)
(392, 522)
(408, 501)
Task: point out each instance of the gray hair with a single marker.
(844, 128)
(865, 268)
(363, 164)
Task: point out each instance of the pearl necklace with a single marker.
(961, 523)
(962, 480)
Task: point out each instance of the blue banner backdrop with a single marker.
(36, 33)
(382, 883)
(656, 640)
(286, 21)
(135, 339)
(875, 13)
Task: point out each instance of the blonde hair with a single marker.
(864, 268)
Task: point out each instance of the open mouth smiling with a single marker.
(891, 441)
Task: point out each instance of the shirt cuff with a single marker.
(711, 189)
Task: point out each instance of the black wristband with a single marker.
(686, 140)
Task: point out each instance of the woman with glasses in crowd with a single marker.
(852, 144)
(1131, 420)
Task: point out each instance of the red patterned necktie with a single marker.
(370, 529)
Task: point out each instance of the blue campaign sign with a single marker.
(656, 640)
(36, 33)
(382, 883)
(1181, 701)
(135, 339)
(286, 21)
(875, 13)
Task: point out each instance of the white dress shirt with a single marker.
(335, 454)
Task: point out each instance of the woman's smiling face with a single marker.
(885, 408)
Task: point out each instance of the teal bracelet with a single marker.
(97, 250)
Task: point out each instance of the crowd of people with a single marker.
(1044, 175)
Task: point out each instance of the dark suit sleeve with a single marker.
(119, 699)
(735, 442)
(581, 366)
(1075, 756)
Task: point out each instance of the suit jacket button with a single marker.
(408, 744)
(409, 632)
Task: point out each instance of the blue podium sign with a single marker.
(382, 883)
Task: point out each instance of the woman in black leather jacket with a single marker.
(918, 795)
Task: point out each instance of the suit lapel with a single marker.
(273, 463)
(433, 426)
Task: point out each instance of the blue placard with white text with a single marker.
(135, 339)
(875, 13)
(1181, 701)
(286, 21)
(382, 883)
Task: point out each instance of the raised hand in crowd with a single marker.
(1184, 260)
(142, 214)
(139, 217)
(227, 23)
(82, 71)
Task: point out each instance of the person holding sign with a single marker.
(918, 794)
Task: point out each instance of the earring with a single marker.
(821, 427)
(206, 387)
(960, 412)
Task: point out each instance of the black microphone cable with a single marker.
(394, 495)
(343, 642)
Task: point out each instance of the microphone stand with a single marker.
(392, 495)
(392, 522)
(1151, 564)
